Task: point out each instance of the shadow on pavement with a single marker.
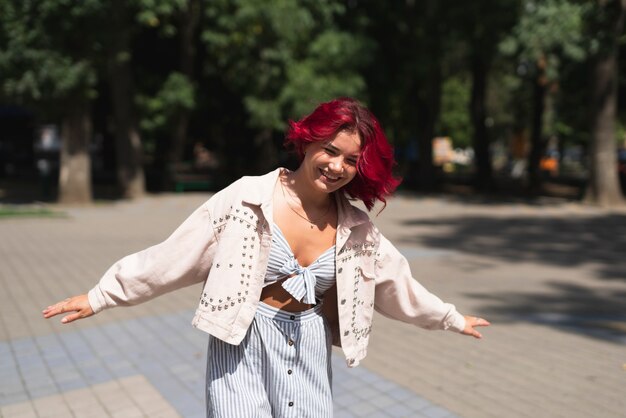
(550, 240)
(573, 308)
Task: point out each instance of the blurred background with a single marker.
(504, 115)
(113, 99)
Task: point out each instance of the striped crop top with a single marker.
(306, 284)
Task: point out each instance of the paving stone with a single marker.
(416, 403)
(51, 406)
(381, 401)
(400, 410)
(436, 412)
(362, 409)
(377, 414)
(347, 400)
(545, 354)
(343, 414)
(18, 410)
(400, 394)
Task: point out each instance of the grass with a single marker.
(16, 211)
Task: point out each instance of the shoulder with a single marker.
(251, 189)
(247, 182)
(357, 221)
(350, 214)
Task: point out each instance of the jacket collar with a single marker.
(348, 217)
(261, 192)
(261, 189)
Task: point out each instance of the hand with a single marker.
(77, 304)
(474, 321)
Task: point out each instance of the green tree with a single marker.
(547, 33)
(607, 25)
(189, 25)
(166, 95)
(126, 19)
(405, 82)
(281, 60)
(128, 147)
(46, 66)
(58, 52)
(455, 120)
(483, 23)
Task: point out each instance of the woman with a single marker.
(289, 267)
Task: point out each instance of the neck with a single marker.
(308, 195)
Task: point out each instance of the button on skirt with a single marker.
(281, 368)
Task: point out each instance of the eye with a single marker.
(351, 161)
(330, 151)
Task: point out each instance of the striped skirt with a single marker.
(281, 368)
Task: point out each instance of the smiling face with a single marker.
(330, 165)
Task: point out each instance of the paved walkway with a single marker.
(551, 278)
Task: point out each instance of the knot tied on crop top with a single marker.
(305, 284)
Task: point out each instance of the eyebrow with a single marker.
(330, 145)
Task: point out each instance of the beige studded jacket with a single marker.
(225, 243)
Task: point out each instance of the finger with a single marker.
(72, 317)
(51, 310)
(58, 308)
(475, 333)
(480, 322)
(79, 314)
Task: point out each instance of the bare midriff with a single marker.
(275, 295)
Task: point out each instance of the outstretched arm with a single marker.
(400, 296)
(181, 260)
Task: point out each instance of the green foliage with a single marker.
(548, 32)
(454, 119)
(263, 113)
(508, 100)
(52, 49)
(266, 62)
(158, 110)
(158, 14)
(600, 19)
(282, 59)
(327, 72)
(43, 61)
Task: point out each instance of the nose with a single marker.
(336, 164)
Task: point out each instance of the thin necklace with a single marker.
(312, 222)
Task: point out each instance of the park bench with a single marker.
(187, 176)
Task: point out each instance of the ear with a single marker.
(306, 148)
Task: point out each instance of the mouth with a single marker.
(331, 178)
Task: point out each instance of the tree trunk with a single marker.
(127, 140)
(537, 144)
(188, 28)
(483, 179)
(428, 109)
(428, 99)
(604, 188)
(75, 171)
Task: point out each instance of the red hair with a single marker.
(374, 179)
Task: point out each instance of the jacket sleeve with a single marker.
(399, 296)
(181, 260)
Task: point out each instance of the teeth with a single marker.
(329, 176)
